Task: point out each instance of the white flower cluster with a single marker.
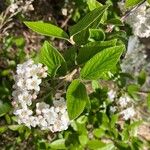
(128, 113)
(124, 101)
(27, 82)
(123, 105)
(21, 6)
(139, 20)
(54, 118)
(27, 86)
(111, 95)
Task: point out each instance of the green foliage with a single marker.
(87, 68)
(58, 144)
(148, 101)
(4, 108)
(115, 21)
(96, 35)
(76, 99)
(47, 29)
(93, 4)
(88, 20)
(79, 32)
(90, 49)
(148, 1)
(50, 57)
(131, 3)
(102, 62)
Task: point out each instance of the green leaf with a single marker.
(142, 77)
(96, 35)
(88, 20)
(58, 144)
(83, 139)
(148, 102)
(70, 56)
(76, 99)
(4, 108)
(47, 29)
(132, 3)
(148, 1)
(3, 129)
(101, 63)
(92, 4)
(115, 21)
(95, 85)
(133, 89)
(99, 132)
(15, 127)
(98, 145)
(50, 57)
(92, 48)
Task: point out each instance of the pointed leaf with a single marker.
(47, 29)
(132, 3)
(92, 48)
(76, 99)
(58, 144)
(88, 20)
(4, 108)
(101, 63)
(50, 57)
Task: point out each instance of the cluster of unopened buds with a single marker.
(26, 89)
(123, 105)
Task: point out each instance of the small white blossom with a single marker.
(40, 107)
(25, 97)
(113, 109)
(64, 11)
(33, 83)
(42, 122)
(123, 101)
(34, 121)
(50, 115)
(128, 113)
(13, 8)
(111, 95)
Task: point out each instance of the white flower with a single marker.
(23, 116)
(128, 113)
(21, 83)
(50, 115)
(25, 97)
(113, 109)
(60, 105)
(13, 7)
(42, 122)
(31, 71)
(33, 83)
(40, 107)
(64, 11)
(27, 86)
(34, 121)
(23, 112)
(42, 71)
(111, 95)
(123, 101)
